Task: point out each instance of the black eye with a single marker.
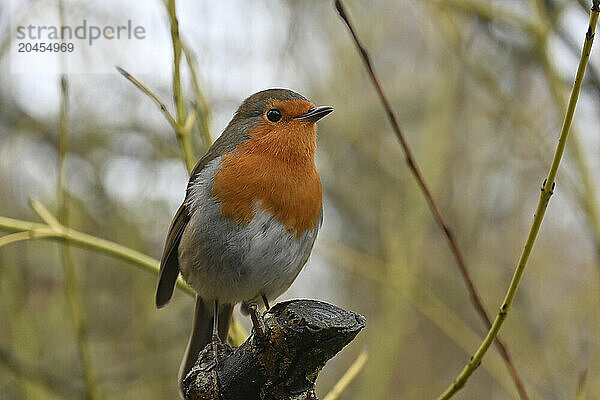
(274, 115)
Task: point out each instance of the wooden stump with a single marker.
(280, 360)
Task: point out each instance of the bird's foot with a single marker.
(258, 323)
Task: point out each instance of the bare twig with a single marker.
(184, 137)
(201, 104)
(414, 168)
(22, 236)
(155, 99)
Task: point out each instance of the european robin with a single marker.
(251, 214)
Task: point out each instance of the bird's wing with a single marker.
(169, 263)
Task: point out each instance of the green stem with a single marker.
(183, 135)
(149, 93)
(546, 193)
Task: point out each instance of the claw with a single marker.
(257, 322)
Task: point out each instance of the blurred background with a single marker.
(479, 88)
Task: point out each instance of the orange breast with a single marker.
(276, 169)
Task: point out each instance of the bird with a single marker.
(250, 217)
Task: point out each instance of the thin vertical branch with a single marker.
(201, 104)
(183, 135)
(546, 192)
(72, 287)
(414, 168)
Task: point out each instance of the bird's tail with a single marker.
(202, 333)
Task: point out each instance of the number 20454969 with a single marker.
(45, 47)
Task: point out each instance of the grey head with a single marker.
(255, 104)
(252, 109)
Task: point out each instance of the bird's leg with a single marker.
(266, 301)
(257, 322)
(216, 349)
(215, 334)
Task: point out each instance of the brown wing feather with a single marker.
(169, 263)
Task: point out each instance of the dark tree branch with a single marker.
(282, 363)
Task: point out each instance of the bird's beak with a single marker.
(314, 114)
